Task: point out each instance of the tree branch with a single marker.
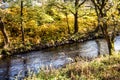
(81, 3)
(61, 6)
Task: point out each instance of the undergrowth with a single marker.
(102, 68)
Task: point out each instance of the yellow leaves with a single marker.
(30, 40)
(48, 30)
(37, 39)
(31, 23)
(9, 11)
(14, 11)
(87, 23)
(3, 13)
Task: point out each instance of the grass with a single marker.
(102, 68)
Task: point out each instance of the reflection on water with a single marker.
(55, 57)
(88, 48)
(117, 43)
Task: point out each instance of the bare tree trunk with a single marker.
(114, 31)
(104, 28)
(109, 44)
(96, 29)
(22, 29)
(3, 30)
(107, 37)
(101, 9)
(76, 22)
(76, 17)
(66, 14)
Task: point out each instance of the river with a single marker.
(20, 65)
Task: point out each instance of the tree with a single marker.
(102, 8)
(77, 5)
(2, 24)
(72, 7)
(67, 21)
(21, 23)
(3, 30)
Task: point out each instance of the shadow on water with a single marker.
(57, 57)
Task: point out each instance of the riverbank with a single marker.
(40, 34)
(47, 35)
(40, 46)
(101, 68)
(36, 47)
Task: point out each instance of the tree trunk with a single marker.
(3, 30)
(96, 29)
(22, 29)
(101, 9)
(76, 22)
(66, 14)
(76, 17)
(109, 44)
(107, 37)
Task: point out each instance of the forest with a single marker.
(60, 39)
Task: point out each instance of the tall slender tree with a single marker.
(77, 3)
(2, 26)
(3, 30)
(73, 8)
(102, 7)
(21, 22)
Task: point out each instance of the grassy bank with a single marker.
(40, 33)
(42, 30)
(102, 68)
